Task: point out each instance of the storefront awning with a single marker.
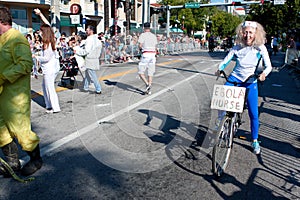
(176, 30)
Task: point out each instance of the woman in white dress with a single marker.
(49, 61)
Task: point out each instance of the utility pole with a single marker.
(148, 11)
(55, 14)
(106, 15)
(143, 13)
(116, 17)
(128, 15)
(83, 16)
(168, 17)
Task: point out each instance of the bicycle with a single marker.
(226, 131)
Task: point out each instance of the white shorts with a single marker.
(147, 62)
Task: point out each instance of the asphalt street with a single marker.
(160, 158)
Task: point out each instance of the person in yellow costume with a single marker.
(15, 100)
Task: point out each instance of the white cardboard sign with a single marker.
(75, 19)
(279, 2)
(228, 98)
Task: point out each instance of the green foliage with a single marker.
(224, 24)
(277, 18)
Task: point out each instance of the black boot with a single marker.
(10, 152)
(34, 164)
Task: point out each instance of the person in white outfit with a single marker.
(49, 61)
(79, 59)
(274, 45)
(91, 53)
(148, 44)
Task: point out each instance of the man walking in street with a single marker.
(147, 42)
(91, 52)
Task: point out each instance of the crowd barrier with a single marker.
(291, 56)
(125, 48)
(123, 52)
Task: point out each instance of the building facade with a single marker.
(102, 14)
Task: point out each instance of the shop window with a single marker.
(35, 18)
(19, 13)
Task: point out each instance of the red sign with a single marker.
(75, 9)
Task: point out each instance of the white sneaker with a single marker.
(148, 88)
(256, 147)
(49, 111)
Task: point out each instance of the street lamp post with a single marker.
(128, 16)
(55, 21)
(116, 17)
(183, 17)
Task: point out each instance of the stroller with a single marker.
(70, 69)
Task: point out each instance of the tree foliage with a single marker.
(277, 18)
(223, 23)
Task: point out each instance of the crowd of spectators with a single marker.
(120, 48)
(124, 48)
(117, 48)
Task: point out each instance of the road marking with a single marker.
(168, 62)
(118, 74)
(103, 105)
(53, 146)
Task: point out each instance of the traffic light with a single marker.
(153, 11)
(156, 10)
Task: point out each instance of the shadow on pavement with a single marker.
(124, 86)
(38, 98)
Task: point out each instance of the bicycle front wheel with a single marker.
(222, 148)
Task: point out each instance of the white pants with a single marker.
(50, 95)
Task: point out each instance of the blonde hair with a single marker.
(260, 35)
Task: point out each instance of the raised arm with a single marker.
(43, 18)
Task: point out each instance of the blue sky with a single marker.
(217, 1)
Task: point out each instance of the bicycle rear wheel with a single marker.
(222, 148)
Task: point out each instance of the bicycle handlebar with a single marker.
(235, 83)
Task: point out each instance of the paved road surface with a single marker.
(72, 169)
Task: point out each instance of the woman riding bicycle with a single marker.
(249, 48)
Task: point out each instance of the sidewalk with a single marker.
(279, 131)
(275, 172)
(279, 65)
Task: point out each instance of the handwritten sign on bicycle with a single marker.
(228, 98)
